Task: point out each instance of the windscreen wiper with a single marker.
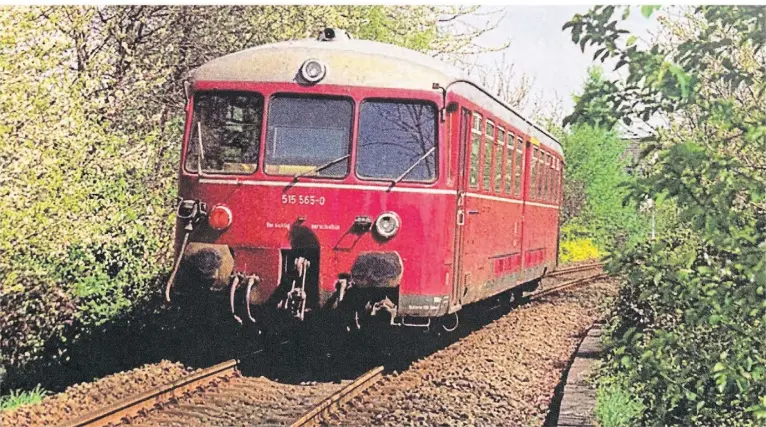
(201, 156)
(411, 168)
(321, 168)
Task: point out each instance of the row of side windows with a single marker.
(545, 177)
(502, 169)
(503, 154)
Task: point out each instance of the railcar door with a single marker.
(458, 282)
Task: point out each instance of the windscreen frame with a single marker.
(436, 142)
(316, 96)
(192, 133)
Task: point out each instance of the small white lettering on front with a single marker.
(325, 227)
(334, 227)
(279, 225)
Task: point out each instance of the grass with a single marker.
(615, 407)
(20, 398)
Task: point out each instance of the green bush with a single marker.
(689, 333)
(578, 250)
(596, 184)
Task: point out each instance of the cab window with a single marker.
(226, 130)
(397, 139)
(308, 135)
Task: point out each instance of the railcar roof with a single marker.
(359, 63)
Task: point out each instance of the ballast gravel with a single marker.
(80, 399)
(503, 374)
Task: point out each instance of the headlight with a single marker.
(219, 217)
(313, 70)
(387, 224)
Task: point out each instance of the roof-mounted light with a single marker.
(333, 34)
(313, 70)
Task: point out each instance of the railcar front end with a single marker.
(357, 180)
(297, 198)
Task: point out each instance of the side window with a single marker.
(556, 187)
(488, 141)
(540, 174)
(499, 144)
(519, 169)
(533, 175)
(554, 180)
(560, 180)
(473, 177)
(546, 173)
(509, 165)
(547, 177)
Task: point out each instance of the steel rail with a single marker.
(574, 269)
(136, 404)
(567, 285)
(133, 405)
(339, 398)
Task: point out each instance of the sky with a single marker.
(540, 49)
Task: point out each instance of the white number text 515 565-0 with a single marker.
(298, 199)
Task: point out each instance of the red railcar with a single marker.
(340, 175)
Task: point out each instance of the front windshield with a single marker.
(394, 136)
(305, 133)
(227, 125)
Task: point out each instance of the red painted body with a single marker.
(457, 243)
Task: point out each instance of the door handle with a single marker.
(460, 217)
(473, 211)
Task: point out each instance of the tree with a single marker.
(499, 79)
(92, 104)
(688, 336)
(595, 161)
(597, 181)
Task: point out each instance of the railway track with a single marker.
(232, 399)
(575, 269)
(229, 398)
(567, 285)
(135, 405)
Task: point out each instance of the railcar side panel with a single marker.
(508, 238)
